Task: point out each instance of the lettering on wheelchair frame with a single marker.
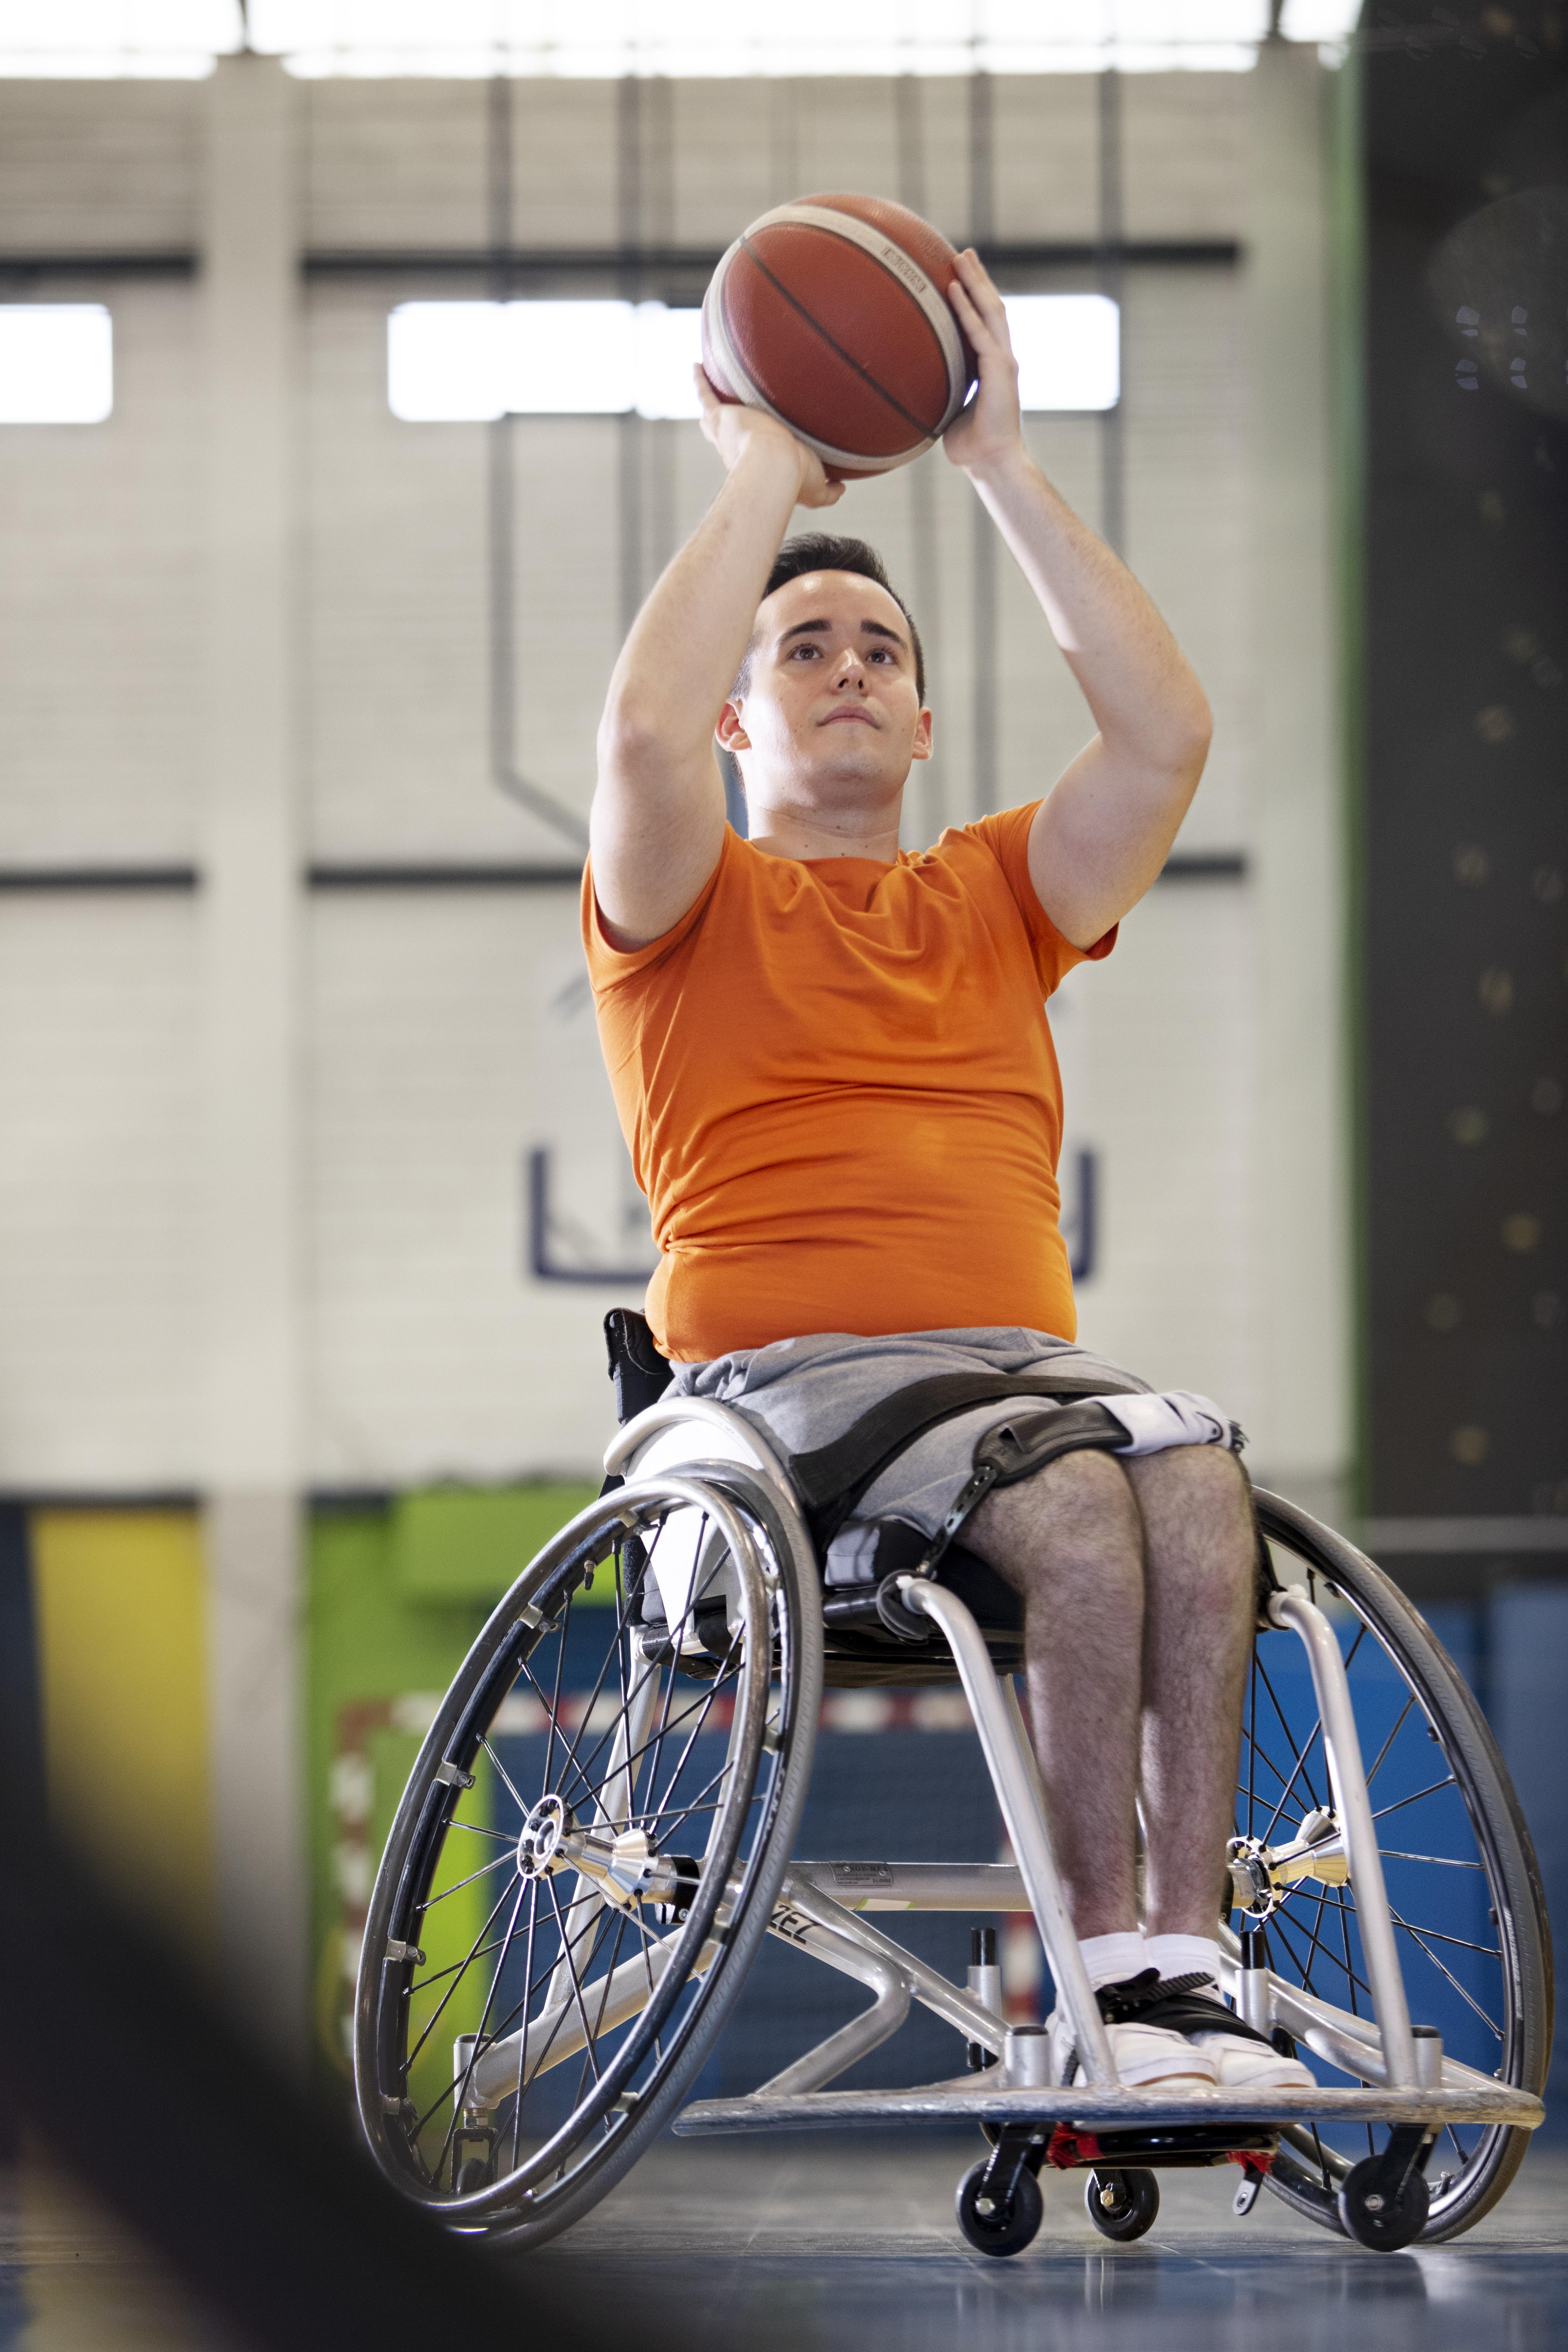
(790, 1924)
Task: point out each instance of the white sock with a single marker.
(1183, 1956)
(1110, 1959)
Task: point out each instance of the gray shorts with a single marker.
(808, 1391)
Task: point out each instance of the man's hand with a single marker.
(991, 427)
(733, 429)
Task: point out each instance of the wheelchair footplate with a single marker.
(980, 2099)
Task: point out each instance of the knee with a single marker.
(1077, 1514)
(1197, 1506)
(1085, 1491)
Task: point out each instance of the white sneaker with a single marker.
(1143, 2054)
(1242, 2059)
(1253, 2065)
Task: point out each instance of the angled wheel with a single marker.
(1373, 2218)
(587, 1852)
(999, 2225)
(1463, 1882)
(1121, 2205)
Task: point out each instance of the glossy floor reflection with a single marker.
(839, 2245)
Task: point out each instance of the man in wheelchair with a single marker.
(834, 1069)
(835, 1072)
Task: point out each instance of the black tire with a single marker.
(1121, 2205)
(1008, 2227)
(652, 1706)
(1369, 2215)
(1501, 2021)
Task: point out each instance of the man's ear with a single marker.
(920, 748)
(731, 732)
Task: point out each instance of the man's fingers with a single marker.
(980, 329)
(974, 288)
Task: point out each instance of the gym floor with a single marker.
(810, 2243)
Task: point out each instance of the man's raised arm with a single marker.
(657, 820)
(1101, 837)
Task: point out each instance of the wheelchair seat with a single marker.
(600, 1826)
(859, 1653)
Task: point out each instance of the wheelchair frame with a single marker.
(1415, 2084)
(682, 1450)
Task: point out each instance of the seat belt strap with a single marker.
(832, 1479)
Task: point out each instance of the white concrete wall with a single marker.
(439, 1037)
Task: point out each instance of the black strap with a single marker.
(1018, 1448)
(832, 1480)
(1178, 2004)
(639, 1373)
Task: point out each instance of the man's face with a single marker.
(831, 717)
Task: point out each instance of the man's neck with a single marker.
(783, 832)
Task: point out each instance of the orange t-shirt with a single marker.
(837, 1084)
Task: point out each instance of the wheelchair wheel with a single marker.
(1123, 2205)
(1463, 1883)
(587, 1854)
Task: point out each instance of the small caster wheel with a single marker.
(1373, 2218)
(1121, 2205)
(472, 2173)
(993, 2227)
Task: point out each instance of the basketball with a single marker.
(831, 312)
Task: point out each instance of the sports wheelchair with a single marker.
(600, 1828)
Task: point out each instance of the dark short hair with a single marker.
(821, 551)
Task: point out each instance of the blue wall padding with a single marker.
(889, 1796)
(1528, 1706)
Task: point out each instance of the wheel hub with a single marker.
(540, 1837)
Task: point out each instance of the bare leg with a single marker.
(1121, 1660)
(1200, 1608)
(1069, 1540)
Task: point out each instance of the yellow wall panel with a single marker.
(122, 1623)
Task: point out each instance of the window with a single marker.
(56, 363)
(447, 362)
(453, 362)
(1068, 348)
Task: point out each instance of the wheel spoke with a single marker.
(463, 1966)
(1438, 1861)
(458, 2087)
(692, 1737)
(1398, 1727)
(573, 1757)
(1486, 1951)
(1400, 1802)
(505, 1777)
(1414, 1932)
(1300, 1754)
(457, 1885)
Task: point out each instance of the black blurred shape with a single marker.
(137, 2082)
(1465, 747)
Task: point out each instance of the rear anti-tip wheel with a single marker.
(1121, 2205)
(998, 2224)
(1377, 2216)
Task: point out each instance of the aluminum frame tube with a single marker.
(934, 1991)
(889, 1983)
(1347, 1775)
(917, 1885)
(1013, 1775)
